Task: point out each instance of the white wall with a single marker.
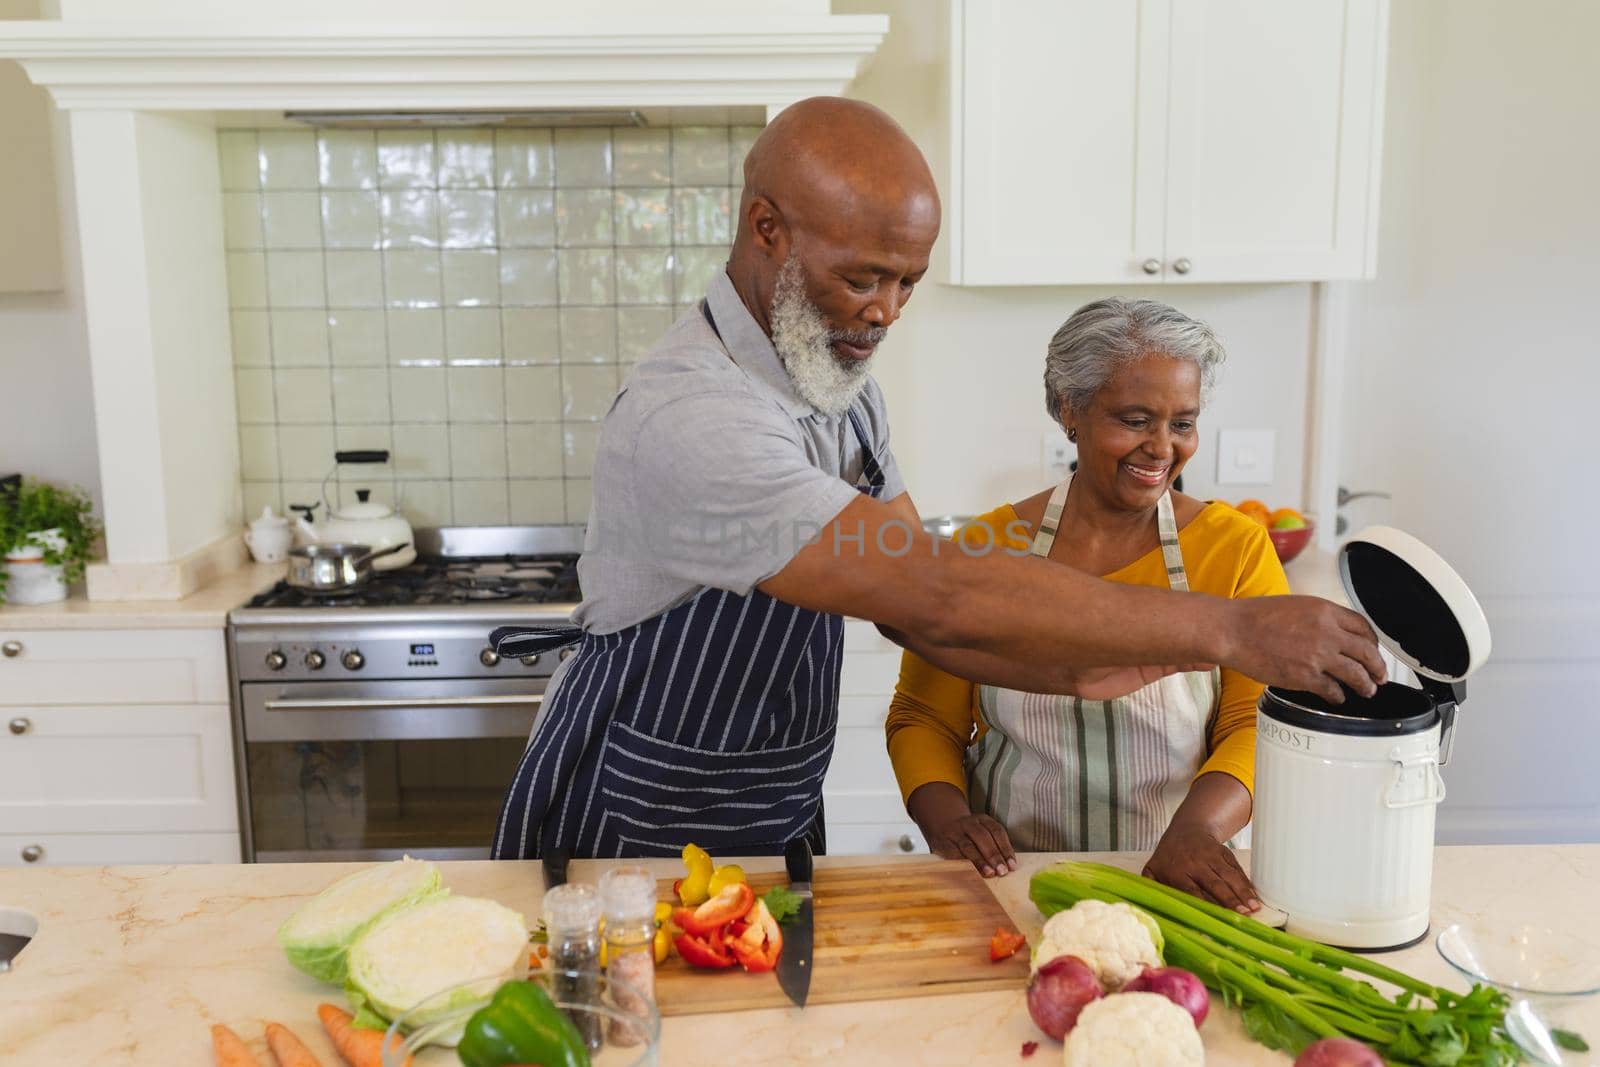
(963, 369)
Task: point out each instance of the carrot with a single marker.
(358, 1048)
(287, 1049)
(230, 1051)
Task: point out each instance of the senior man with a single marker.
(746, 499)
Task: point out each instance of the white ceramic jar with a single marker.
(269, 537)
(29, 579)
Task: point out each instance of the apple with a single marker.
(1289, 522)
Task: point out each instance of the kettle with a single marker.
(365, 522)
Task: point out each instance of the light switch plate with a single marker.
(1246, 457)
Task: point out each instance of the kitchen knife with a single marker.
(794, 965)
(555, 867)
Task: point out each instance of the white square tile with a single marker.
(527, 218)
(693, 269)
(304, 395)
(583, 158)
(421, 451)
(579, 440)
(467, 218)
(583, 218)
(701, 216)
(417, 394)
(528, 277)
(588, 335)
(586, 276)
(356, 338)
(533, 449)
(238, 154)
(247, 279)
(638, 329)
(252, 340)
(533, 394)
(355, 279)
(471, 335)
(305, 452)
(261, 495)
(252, 387)
(579, 498)
(241, 221)
(699, 155)
(537, 502)
(426, 503)
(352, 218)
(523, 158)
(410, 218)
(531, 335)
(405, 158)
(347, 159)
(587, 391)
(411, 279)
(477, 394)
(477, 451)
(644, 276)
(471, 279)
(291, 220)
(299, 338)
(644, 216)
(416, 336)
(295, 280)
(466, 159)
(643, 157)
(740, 138)
(258, 453)
(479, 503)
(361, 395)
(288, 159)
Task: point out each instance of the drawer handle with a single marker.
(20, 726)
(12, 649)
(32, 853)
(906, 844)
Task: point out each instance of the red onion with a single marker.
(1058, 991)
(1338, 1052)
(1177, 985)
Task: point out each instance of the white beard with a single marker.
(804, 343)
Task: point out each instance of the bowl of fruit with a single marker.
(1290, 531)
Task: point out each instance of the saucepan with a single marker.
(334, 568)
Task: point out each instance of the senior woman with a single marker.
(1169, 767)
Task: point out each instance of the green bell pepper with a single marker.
(521, 1024)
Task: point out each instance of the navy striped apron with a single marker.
(711, 723)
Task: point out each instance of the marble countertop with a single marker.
(131, 965)
(206, 609)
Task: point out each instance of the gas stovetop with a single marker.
(514, 579)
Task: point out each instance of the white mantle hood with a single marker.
(214, 64)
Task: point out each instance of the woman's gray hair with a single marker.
(1107, 334)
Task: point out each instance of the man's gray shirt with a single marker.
(712, 471)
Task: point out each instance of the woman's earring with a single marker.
(1072, 435)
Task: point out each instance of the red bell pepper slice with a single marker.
(758, 943)
(1004, 944)
(730, 905)
(710, 951)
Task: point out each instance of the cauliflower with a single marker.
(1117, 941)
(1134, 1030)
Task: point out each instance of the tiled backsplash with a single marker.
(467, 299)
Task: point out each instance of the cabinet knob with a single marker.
(1151, 266)
(905, 843)
(32, 853)
(1181, 265)
(20, 726)
(12, 649)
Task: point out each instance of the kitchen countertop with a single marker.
(133, 964)
(1315, 572)
(203, 610)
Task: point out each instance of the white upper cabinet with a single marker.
(1097, 142)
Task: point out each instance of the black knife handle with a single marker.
(797, 858)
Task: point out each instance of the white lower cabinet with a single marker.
(65, 850)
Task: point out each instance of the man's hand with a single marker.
(955, 833)
(1189, 857)
(1304, 643)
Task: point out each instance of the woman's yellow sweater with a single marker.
(934, 715)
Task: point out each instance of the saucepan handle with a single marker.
(391, 550)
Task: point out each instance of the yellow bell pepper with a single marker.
(663, 942)
(695, 888)
(722, 877)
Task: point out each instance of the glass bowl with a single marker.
(1549, 975)
(625, 1039)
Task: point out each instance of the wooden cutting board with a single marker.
(882, 932)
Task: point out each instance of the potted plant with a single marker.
(47, 534)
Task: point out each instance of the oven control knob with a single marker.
(276, 661)
(489, 657)
(353, 660)
(569, 652)
(531, 658)
(315, 660)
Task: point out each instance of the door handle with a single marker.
(374, 704)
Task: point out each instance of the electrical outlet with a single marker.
(1056, 455)
(1246, 457)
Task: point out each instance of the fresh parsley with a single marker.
(1570, 1041)
(783, 904)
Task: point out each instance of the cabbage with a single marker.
(413, 953)
(317, 937)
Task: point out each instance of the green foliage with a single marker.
(39, 506)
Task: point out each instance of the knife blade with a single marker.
(794, 965)
(555, 867)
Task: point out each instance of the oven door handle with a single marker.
(372, 704)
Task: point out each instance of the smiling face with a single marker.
(1138, 431)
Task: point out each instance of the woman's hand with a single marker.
(954, 832)
(1189, 857)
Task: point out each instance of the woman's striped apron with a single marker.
(1068, 775)
(710, 723)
